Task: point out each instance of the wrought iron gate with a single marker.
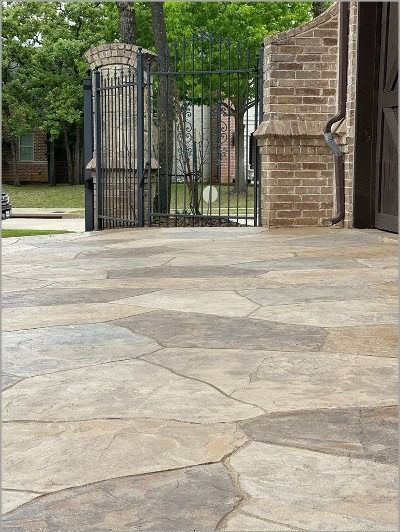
(175, 147)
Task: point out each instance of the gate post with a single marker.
(140, 138)
(260, 113)
(88, 152)
(97, 107)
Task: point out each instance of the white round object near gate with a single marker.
(210, 194)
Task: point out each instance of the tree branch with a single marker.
(228, 107)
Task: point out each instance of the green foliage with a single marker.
(44, 42)
(18, 38)
(43, 63)
(143, 26)
(248, 23)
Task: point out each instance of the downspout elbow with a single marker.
(339, 175)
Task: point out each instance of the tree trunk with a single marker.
(69, 158)
(165, 111)
(77, 158)
(240, 177)
(127, 22)
(189, 172)
(52, 165)
(13, 145)
(318, 8)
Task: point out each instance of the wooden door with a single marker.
(386, 191)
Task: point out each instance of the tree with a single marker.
(18, 41)
(165, 104)
(133, 23)
(44, 45)
(72, 29)
(43, 64)
(127, 22)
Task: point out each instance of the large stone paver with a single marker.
(200, 379)
(19, 318)
(359, 432)
(184, 329)
(280, 381)
(32, 352)
(373, 340)
(333, 313)
(187, 499)
(117, 447)
(316, 491)
(121, 390)
(220, 303)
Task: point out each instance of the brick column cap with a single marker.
(115, 54)
(293, 128)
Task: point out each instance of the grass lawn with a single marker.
(67, 196)
(8, 233)
(42, 196)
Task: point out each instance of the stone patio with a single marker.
(200, 379)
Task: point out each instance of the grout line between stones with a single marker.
(205, 383)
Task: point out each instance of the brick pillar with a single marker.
(120, 60)
(348, 128)
(300, 88)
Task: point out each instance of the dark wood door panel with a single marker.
(386, 191)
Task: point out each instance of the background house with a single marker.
(32, 162)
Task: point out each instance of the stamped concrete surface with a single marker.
(178, 380)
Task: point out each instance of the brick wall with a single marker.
(35, 171)
(349, 126)
(299, 97)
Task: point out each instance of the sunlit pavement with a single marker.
(200, 379)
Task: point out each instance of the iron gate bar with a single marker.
(260, 108)
(219, 127)
(191, 216)
(140, 137)
(229, 123)
(88, 152)
(133, 113)
(237, 165)
(211, 71)
(98, 150)
(149, 134)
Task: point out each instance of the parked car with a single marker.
(5, 206)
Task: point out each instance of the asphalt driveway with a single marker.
(200, 379)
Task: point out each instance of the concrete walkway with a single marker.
(60, 224)
(45, 212)
(200, 379)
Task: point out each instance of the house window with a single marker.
(26, 147)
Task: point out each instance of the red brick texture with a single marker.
(299, 97)
(28, 172)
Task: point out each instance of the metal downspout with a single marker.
(341, 113)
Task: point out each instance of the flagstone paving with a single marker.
(200, 379)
